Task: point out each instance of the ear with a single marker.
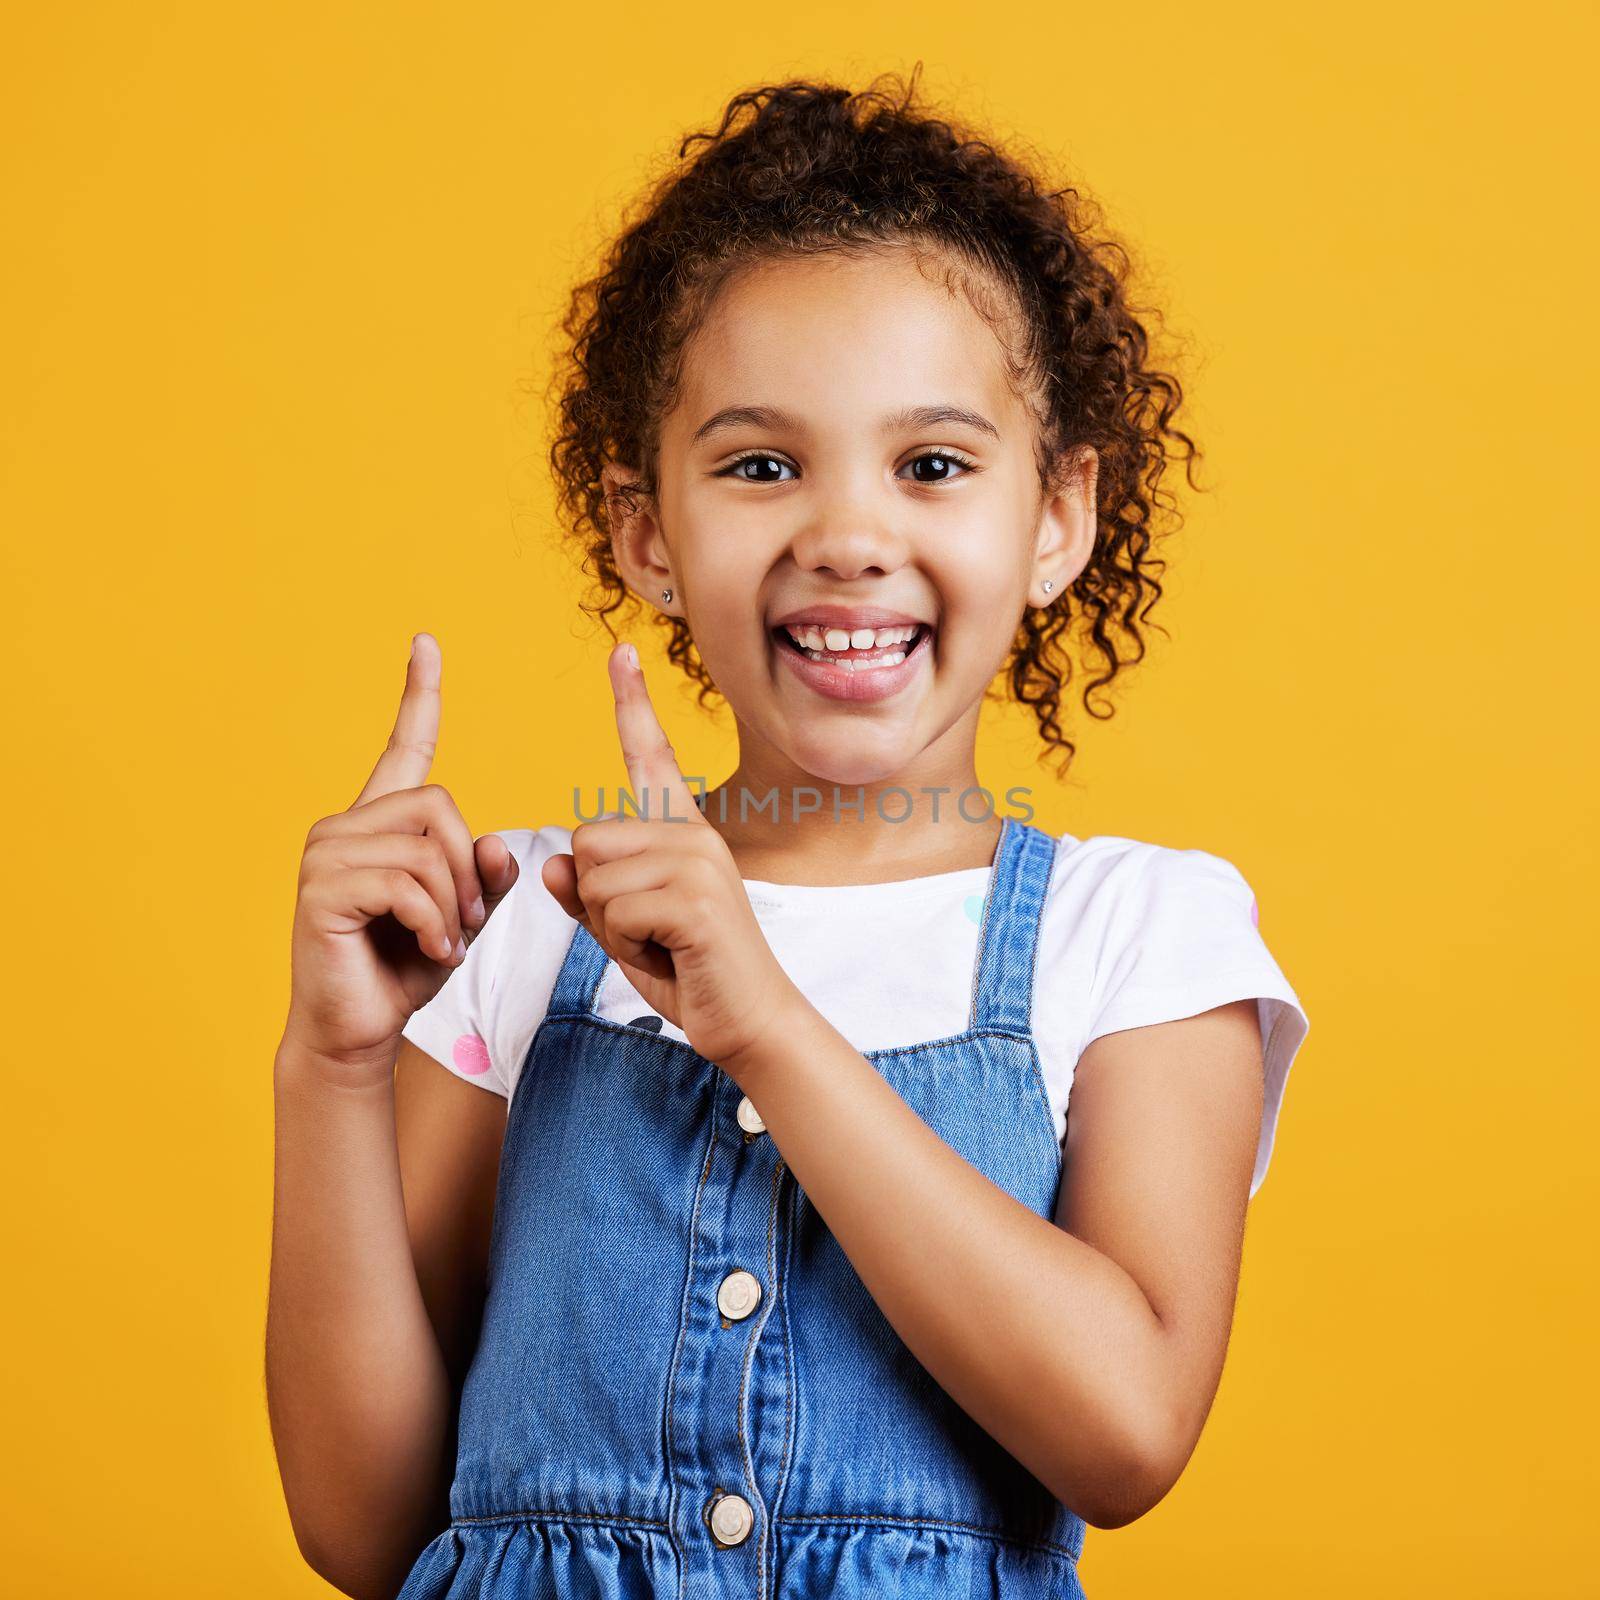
(1067, 522)
(637, 546)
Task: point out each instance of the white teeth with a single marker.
(850, 665)
(858, 663)
(816, 638)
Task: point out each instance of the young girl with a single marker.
(770, 1263)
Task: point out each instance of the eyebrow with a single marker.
(771, 417)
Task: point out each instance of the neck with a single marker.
(786, 825)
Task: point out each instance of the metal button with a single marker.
(731, 1519)
(739, 1294)
(749, 1117)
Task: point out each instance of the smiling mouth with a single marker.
(860, 650)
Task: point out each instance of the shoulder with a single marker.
(1137, 923)
(1134, 933)
(1107, 877)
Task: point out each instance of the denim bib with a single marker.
(681, 1386)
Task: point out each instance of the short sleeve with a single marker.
(483, 1018)
(1188, 938)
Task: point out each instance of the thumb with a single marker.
(560, 876)
(497, 871)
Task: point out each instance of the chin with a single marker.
(849, 762)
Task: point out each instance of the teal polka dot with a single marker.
(973, 906)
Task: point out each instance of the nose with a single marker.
(850, 538)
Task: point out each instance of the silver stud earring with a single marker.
(666, 597)
(1048, 585)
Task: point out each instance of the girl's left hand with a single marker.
(662, 896)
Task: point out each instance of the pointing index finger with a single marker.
(653, 776)
(408, 757)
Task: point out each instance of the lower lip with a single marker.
(861, 684)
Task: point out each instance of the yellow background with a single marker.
(275, 279)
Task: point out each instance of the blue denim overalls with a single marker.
(682, 1388)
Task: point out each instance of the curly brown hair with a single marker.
(802, 167)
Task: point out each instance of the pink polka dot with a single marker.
(1255, 915)
(471, 1055)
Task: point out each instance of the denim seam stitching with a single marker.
(934, 1522)
(789, 1408)
(751, 1336)
(523, 1073)
(578, 954)
(1003, 878)
(751, 1343)
(541, 1513)
(768, 1561)
(1030, 926)
(1020, 928)
(600, 960)
(677, 1348)
(1042, 1102)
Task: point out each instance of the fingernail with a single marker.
(460, 951)
(630, 657)
(475, 912)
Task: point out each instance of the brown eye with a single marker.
(764, 469)
(941, 466)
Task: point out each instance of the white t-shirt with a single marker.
(1130, 934)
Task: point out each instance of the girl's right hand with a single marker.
(390, 893)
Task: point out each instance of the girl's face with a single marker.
(849, 516)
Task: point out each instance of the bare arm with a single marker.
(374, 1306)
(357, 1388)
(384, 1168)
(1090, 1349)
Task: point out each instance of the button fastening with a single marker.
(749, 1118)
(731, 1519)
(738, 1294)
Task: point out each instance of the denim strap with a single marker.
(578, 982)
(1002, 986)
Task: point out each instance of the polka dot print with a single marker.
(973, 906)
(471, 1055)
(1255, 915)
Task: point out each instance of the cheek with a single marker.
(982, 587)
(723, 583)
(982, 606)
